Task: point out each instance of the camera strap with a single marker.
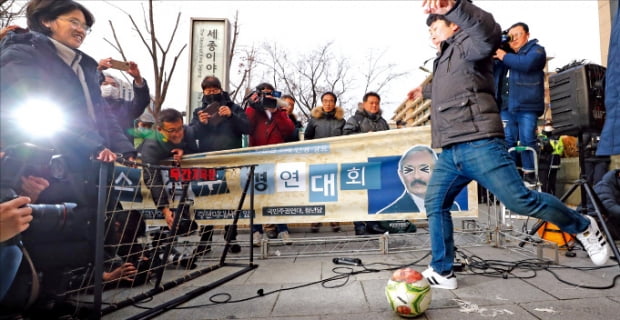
(34, 288)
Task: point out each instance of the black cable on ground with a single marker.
(342, 273)
(504, 269)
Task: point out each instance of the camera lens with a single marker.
(51, 216)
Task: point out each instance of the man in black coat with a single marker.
(219, 123)
(367, 119)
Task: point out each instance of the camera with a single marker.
(27, 159)
(505, 40)
(265, 100)
(30, 160)
(45, 217)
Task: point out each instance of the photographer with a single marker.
(519, 91)
(270, 124)
(269, 121)
(219, 124)
(125, 111)
(43, 71)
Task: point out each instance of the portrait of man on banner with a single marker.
(413, 171)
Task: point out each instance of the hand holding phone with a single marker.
(119, 65)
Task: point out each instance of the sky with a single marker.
(567, 29)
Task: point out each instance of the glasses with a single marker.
(76, 24)
(173, 130)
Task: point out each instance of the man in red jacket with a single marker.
(270, 124)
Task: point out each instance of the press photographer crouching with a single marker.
(59, 236)
(50, 230)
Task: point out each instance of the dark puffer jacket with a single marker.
(527, 78)
(31, 69)
(221, 134)
(462, 91)
(362, 122)
(325, 124)
(127, 111)
(33, 75)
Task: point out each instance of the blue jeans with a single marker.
(10, 258)
(488, 162)
(521, 126)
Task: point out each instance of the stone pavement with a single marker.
(297, 286)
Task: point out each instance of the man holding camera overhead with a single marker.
(520, 91)
(270, 124)
(125, 111)
(269, 120)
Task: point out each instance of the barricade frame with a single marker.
(101, 308)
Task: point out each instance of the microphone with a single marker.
(348, 261)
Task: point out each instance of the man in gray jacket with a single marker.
(467, 126)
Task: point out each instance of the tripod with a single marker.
(587, 193)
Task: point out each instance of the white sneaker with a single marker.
(438, 281)
(257, 239)
(285, 238)
(593, 240)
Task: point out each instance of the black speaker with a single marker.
(578, 99)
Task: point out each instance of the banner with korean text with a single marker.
(370, 176)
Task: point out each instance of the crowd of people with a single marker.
(485, 98)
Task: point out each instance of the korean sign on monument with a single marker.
(209, 42)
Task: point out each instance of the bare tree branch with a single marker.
(247, 64)
(118, 46)
(307, 77)
(162, 78)
(234, 40)
(377, 75)
(10, 10)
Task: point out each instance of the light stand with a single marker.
(586, 193)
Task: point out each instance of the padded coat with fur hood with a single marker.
(325, 124)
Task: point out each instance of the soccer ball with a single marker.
(408, 293)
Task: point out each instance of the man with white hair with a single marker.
(414, 170)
